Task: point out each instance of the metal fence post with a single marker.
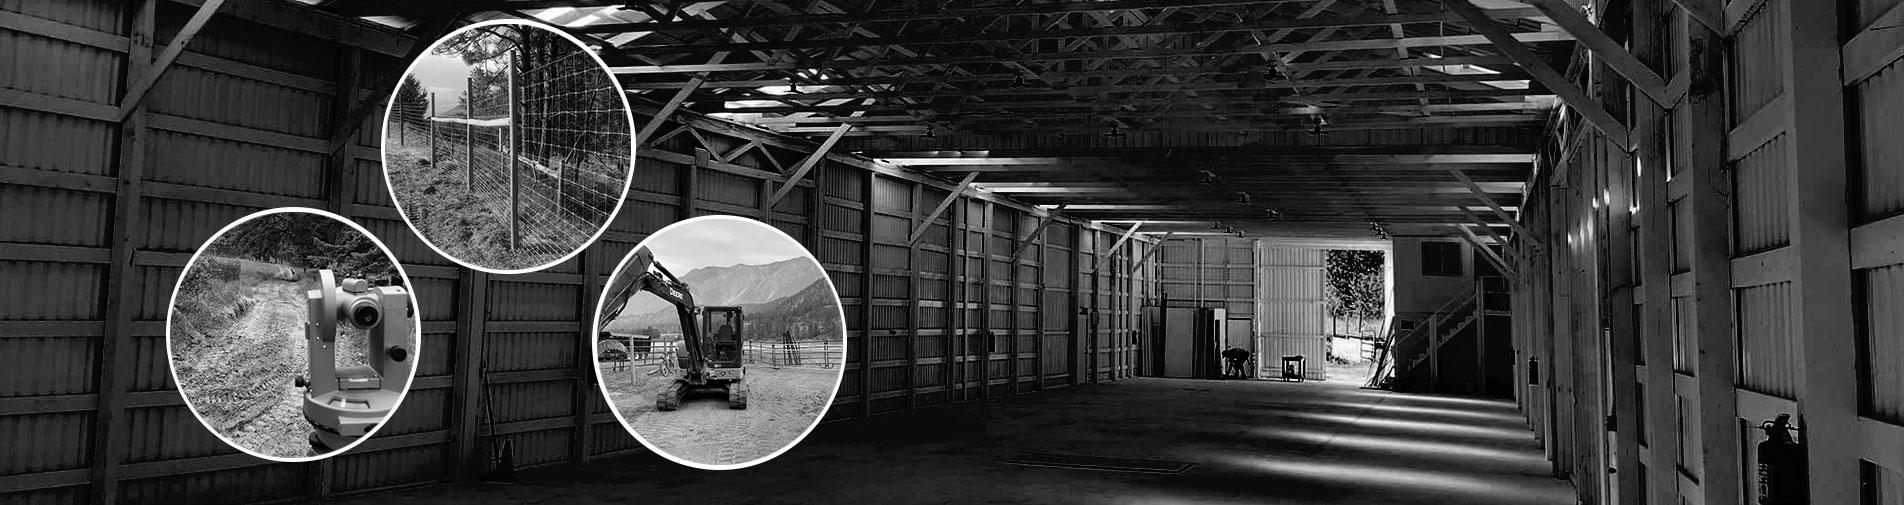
(515, 144)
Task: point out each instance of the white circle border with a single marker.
(628, 180)
(416, 332)
(601, 385)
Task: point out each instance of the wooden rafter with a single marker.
(1043, 222)
(1115, 31)
(1576, 98)
(1135, 265)
(807, 164)
(1499, 211)
(667, 110)
(950, 198)
(915, 15)
(1486, 252)
(135, 92)
(1611, 52)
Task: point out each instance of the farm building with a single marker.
(1612, 238)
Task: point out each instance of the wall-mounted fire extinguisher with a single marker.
(1533, 371)
(1781, 464)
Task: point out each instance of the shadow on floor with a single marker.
(1248, 442)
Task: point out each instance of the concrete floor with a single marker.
(1250, 442)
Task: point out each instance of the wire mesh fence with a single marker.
(539, 137)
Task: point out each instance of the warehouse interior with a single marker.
(1619, 236)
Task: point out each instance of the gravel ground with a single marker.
(781, 404)
(239, 378)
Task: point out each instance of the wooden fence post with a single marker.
(514, 154)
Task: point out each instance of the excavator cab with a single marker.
(726, 326)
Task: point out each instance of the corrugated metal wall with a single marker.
(246, 121)
(1876, 104)
(1780, 283)
(1291, 311)
(1210, 272)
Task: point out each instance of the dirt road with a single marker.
(240, 378)
(781, 404)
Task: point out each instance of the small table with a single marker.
(1294, 367)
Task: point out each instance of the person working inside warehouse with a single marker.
(1234, 362)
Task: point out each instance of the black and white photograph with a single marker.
(931, 252)
(291, 334)
(508, 146)
(731, 361)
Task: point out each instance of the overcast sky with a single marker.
(721, 242)
(445, 75)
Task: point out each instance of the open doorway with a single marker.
(1356, 307)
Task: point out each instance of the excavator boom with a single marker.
(644, 274)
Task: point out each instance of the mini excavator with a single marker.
(345, 403)
(705, 360)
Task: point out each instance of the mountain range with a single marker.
(777, 298)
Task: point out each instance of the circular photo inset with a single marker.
(292, 334)
(508, 146)
(720, 342)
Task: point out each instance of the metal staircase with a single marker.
(1414, 350)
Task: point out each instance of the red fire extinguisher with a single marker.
(1781, 465)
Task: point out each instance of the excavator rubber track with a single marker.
(670, 398)
(737, 395)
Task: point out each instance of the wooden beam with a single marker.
(1128, 233)
(1000, 81)
(1822, 307)
(1203, 83)
(1328, 45)
(1654, 292)
(1713, 330)
(328, 26)
(1139, 264)
(466, 367)
(1497, 236)
(890, 15)
(1269, 23)
(1707, 13)
(118, 348)
(807, 164)
(950, 197)
(667, 109)
(1043, 222)
(374, 101)
(1874, 48)
(135, 92)
(1496, 207)
(1238, 104)
(1611, 52)
(1478, 61)
(1576, 98)
(1475, 241)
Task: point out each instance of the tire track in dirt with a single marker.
(241, 378)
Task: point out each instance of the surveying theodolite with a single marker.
(346, 403)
